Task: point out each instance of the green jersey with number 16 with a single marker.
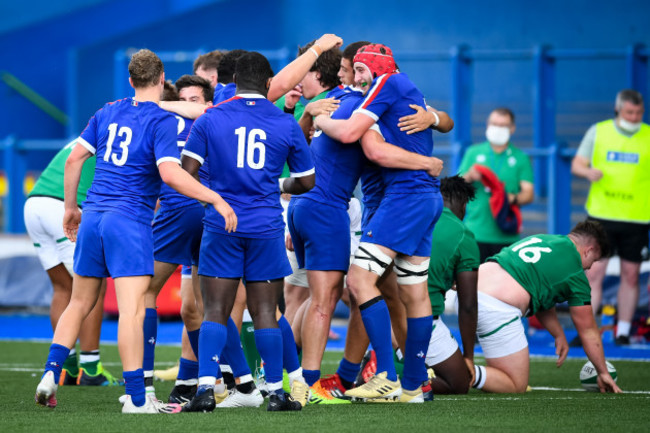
(549, 268)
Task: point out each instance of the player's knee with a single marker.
(408, 273)
(370, 258)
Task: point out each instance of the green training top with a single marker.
(454, 250)
(511, 167)
(549, 267)
(50, 183)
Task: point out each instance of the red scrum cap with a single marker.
(377, 58)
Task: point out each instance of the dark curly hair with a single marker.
(327, 65)
(455, 189)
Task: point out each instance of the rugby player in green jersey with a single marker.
(455, 259)
(529, 278)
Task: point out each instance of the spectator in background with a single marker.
(614, 156)
(512, 168)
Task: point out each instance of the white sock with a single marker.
(480, 374)
(296, 375)
(90, 356)
(623, 328)
(207, 380)
(274, 386)
(245, 378)
(188, 382)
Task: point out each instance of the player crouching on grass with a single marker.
(529, 278)
(135, 143)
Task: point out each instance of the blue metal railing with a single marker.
(551, 161)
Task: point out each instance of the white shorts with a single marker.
(441, 345)
(44, 223)
(499, 328)
(299, 276)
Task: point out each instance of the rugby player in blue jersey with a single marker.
(135, 143)
(399, 231)
(245, 141)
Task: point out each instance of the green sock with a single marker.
(399, 362)
(90, 362)
(71, 364)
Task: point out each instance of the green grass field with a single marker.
(562, 409)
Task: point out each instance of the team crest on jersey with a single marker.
(250, 102)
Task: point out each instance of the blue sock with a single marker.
(418, 334)
(212, 339)
(150, 330)
(348, 371)
(311, 376)
(376, 320)
(55, 359)
(134, 386)
(234, 352)
(269, 344)
(193, 336)
(187, 369)
(289, 350)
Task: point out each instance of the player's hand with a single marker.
(473, 175)
(435, 166)
(71, 221)
(561, 350)
(293, 96)
(324, 106)
(312, 130)
(594, 174)
(329, 41)
(470, 367)
(227, 213)
(317, 121)
(607, 384)
(288, 243)
(417, 122)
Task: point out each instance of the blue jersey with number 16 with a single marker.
(245, 141)
(130, 139)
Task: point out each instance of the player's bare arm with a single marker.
(467, 310)
(182, 181)
(423, 119)
(345, 131)
(187, 109)
(297, 185)
(71, 176)
(293, 73)
(548, 319)
(325, 106)
(583, 319)
(388, 155)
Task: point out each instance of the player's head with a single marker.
(346, 70)
(146, 70)
(253, 73)
(194, 88)
(500, 126)
(456, 193)
(629, 110)
(169, 92)
(323, 74)
(592, 242)
(206, 66)
(371, 61)
(227, 65)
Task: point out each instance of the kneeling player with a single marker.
(529, 278)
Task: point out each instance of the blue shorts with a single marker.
(320, 234)
(177, 234)
(404, 223)
(110, 244)
(366, 216)
(227, 256)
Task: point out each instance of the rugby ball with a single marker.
(588, 376)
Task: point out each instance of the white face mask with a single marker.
(629, 126)
(497, 135)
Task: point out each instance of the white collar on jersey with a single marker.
(250, 95)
